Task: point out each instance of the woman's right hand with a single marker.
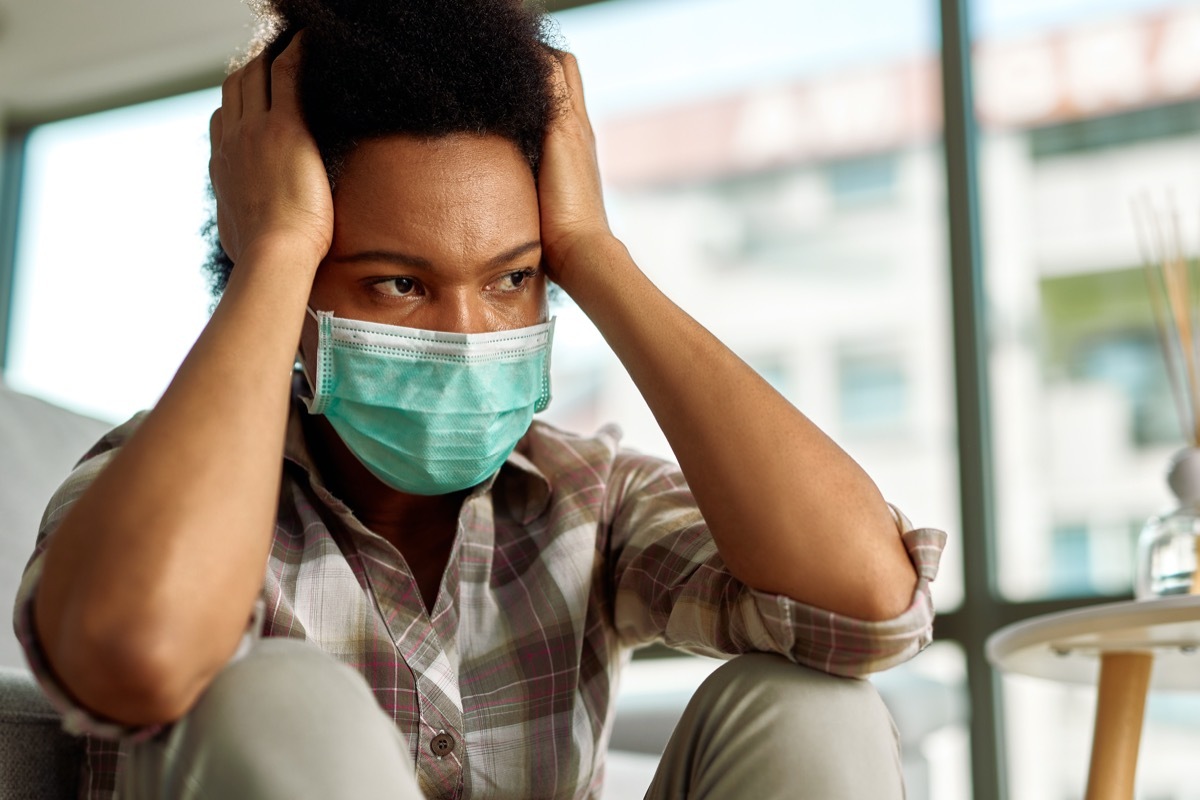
(267, 174)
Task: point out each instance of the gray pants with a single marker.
(759, 727)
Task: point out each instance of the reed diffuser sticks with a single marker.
(1169, 546)
(1172, 280)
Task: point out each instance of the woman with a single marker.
(397, 184)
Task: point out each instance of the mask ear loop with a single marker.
(300, 365)
(317, 375)
(544, 397)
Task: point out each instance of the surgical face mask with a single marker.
(427, 412)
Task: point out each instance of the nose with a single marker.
(461, 311)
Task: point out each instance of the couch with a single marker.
(37, 760)
(39, 443)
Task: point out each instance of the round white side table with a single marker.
(1120, 647)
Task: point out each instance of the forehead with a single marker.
(446, 188)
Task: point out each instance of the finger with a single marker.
(231, 96)
(256, 87)
(568, 76)
(284, 72)
(558, 77)
(574, 80)
(214, 130)
(214, 145)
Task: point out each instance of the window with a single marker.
(1131, 362)
(1099, 338)
(777, 167)
(774, 179)
(108, 292)
(873, 392)
(1050, 733)
(782, 182)
(1083, 416)
(1071, 553)
(1081, 107)
(863, 180)
(1115, 130)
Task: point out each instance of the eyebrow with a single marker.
(418, 262)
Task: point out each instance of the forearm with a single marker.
(790, 512)
(156, 567)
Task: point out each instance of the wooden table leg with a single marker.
(1120, 706)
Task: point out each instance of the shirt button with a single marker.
(442, 744)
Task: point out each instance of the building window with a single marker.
(1071, 552)
(862, 181)
(1179, 119)
(1099, 332)
(872, 393)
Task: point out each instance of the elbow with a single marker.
(871, 596)
(131, 681)
(887, 606)
(889, 579)
(890, 596)
(142, 682)
(131, 675)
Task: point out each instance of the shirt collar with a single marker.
(527, 487)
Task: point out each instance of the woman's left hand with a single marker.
(569, 193)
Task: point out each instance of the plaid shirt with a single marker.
(572, 555)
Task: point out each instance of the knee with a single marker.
(281, 681)
(279, 667)
(817, 719)
(762, 685)
(276, 675)
(286, 720)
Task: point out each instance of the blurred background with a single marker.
(781, 169)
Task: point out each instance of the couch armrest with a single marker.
(38, 760)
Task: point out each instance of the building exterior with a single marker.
(804, 224)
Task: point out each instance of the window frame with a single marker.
(12, 173)
(983, 609)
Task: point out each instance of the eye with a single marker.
(396, 287)
(515, 281)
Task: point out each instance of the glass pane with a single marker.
(775, 166)
(109, 293)
(1082, 106)
(1049, 739)
(781, 181)
(928, 700)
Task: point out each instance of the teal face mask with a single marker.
(428, 412)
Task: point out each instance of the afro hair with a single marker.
(426, 68)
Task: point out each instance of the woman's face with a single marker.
(441, 234)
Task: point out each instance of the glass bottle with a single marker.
(1169, 545)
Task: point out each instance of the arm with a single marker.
(671, 585)
(789, 511)
(148, 583)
